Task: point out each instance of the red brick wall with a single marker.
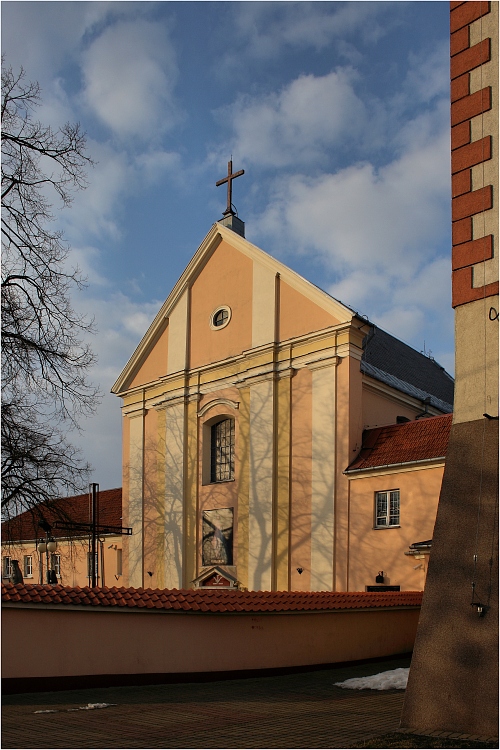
(466, 154)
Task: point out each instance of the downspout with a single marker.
(274, 515)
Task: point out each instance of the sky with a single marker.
(337, 111)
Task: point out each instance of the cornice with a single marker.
(218, 402)
(400, 468)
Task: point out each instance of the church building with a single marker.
(243, 406)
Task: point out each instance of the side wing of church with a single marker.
(243, 406)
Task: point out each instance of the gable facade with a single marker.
(243, 405)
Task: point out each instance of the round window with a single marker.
(220, 317)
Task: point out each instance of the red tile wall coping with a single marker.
(206, 600)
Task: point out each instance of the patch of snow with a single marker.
(394, 679)
(88, 707)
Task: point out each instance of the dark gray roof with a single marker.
(387, 359)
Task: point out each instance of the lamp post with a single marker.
(47, 546)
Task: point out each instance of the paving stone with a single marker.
(293, 711)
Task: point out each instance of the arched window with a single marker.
(222, 451)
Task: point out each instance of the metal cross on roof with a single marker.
(229, 179)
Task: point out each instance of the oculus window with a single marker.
(222, 451)
(220, 318)
(386, 509)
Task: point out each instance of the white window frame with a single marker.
(386, 516)
(221, 309)
(55, 563)
(28, 566)
(6, 567)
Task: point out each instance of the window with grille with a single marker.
(386, 509)
(7, 567)
(28, 566)
(222, 451)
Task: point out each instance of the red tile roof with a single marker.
(207, 600)
(419, 440)
(75, 509)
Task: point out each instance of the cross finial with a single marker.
(229, 179)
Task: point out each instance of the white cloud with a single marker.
(378, 233)
(428, 73)
(154, 164)
(297, 124)
(120, 324)
(265, 28)
(361, 215)
(130, 73)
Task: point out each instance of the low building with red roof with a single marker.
(23, 534)
(394, 486)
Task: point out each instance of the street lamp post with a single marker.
(48, 546)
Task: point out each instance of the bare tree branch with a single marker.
(45, 360)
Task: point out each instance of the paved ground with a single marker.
(294, 711)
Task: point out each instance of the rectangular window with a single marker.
(56, 564)
(222, 451)
(386, 509)
(118, 562)
(28, 566)
(7, 567)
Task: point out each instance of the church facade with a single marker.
(243, 407)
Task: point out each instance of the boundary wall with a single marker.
(49, 645)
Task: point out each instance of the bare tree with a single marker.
(45, 361)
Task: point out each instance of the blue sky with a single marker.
(338, 112)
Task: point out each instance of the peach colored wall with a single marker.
(219, 494)
(125, 491)
(156, 363)
(378, 410)
(73, 561)
(371, 550)
(298, 315)
(301, 477)
(226, 279)
(349, 435)
(154, 501)
(112, 642)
